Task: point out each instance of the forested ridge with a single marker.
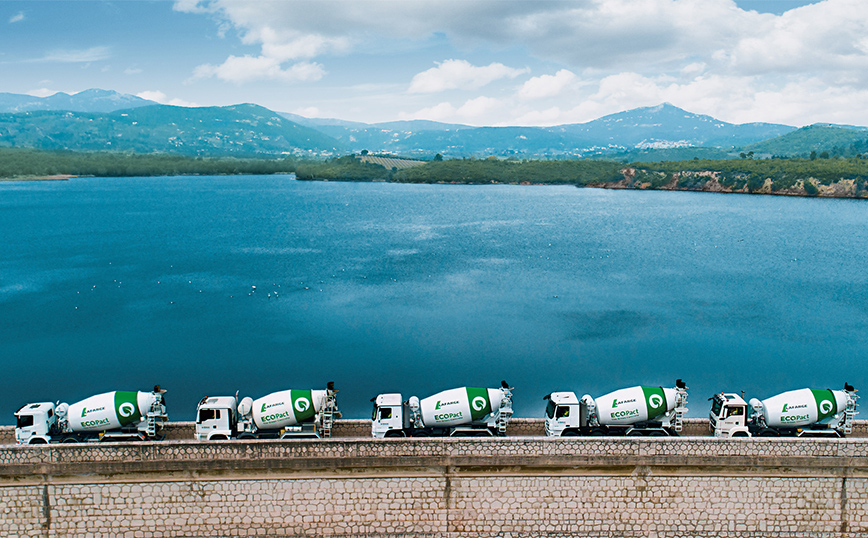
(807, 177)
(24, 163)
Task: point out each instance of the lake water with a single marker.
(120, 284)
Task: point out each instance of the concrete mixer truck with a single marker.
(465, 411)
(797, 413)
(652, 411)
(279, 415)
(112, 416)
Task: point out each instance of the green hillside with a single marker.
(235, 130)
(837, 141)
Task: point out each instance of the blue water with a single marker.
(110, 284)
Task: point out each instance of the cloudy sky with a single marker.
(477, 62)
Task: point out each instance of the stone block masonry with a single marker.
(453, 488)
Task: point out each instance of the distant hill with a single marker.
(651, 128)
(93, 100)
(239, 130)
(667, 126)
(106, 120)
(836, 139)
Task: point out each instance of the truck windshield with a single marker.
(206, 414)
(550, 409)
(716, 403)
(25, 421)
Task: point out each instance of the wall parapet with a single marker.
(361, 428)
(520, 487)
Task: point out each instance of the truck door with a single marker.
(732, 416)
(386, 418)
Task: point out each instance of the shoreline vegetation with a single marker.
(813, 177)
(54, 177)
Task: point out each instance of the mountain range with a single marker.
(106, 120)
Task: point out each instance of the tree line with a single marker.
(22, 163)
(752, 173)
(737, 174)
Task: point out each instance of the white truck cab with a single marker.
(215, 418)
(562, 412)
(34, 423)
(728, 416)
(388, 417)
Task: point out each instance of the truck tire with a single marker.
(570, 433)
(657, 433)
(69, 440)
(37, 441)
(247, 436)
(768, 432)
(394, 434)
(740, 434)
(420, 434)
(597, 432)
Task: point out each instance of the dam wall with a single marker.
(453, 488)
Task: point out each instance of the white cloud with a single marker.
(547, 85)
(132, 71)
(190, 6)
(42, 92)
(308, 112)
(460, 74)
(18, 17)
(241, 69)
(163, 99)
(474, 111)
(707, 56)
(93, 54)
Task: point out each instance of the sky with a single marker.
(474, 62)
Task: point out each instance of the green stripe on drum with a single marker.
(127, 407)
(479, 403)
(655, 400)
(827, 405)
(302, 405)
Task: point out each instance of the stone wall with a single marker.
(454, 488)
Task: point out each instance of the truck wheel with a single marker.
(219, 438)
(37, 441)
(768, 432)
(420, 434)
(635, 433)
(69, 440)
(740, 434)
(597, 432)
(656, 433)
(394, 434)
(569, 433)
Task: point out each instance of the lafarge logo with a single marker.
(789, 408)
(269, 406)
(441, 405)
(655, 401)
(85, 410)
(478, 403)
(616, 403)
